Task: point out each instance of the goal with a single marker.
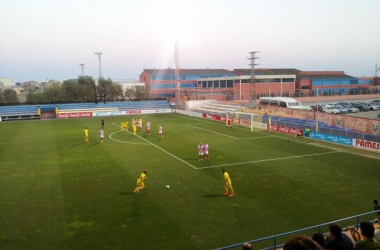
(249, 120)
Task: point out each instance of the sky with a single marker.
(48, 39)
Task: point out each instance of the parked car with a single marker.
(361, 107)
(343, 103)
(317, 107)
(331, 110)
(370, 106)
(351, 109)
(342, 109)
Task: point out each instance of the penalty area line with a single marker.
(161, 149)
(213, 132)
(257, 137)
(274, 159)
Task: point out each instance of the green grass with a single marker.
(58, 192)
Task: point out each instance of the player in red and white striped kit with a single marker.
(205, 151)
(147, 129)
(101, 135)
(160, 134)
(200, 150)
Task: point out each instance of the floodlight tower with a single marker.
(252, 58)
(100, 63)
(376, 70)
(177, 72)
(82, 65)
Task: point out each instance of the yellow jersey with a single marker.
(227, 178)
(86, 132)
(134, 128)
(141, 179)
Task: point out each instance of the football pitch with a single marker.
(58, 192)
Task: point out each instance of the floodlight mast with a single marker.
(82, 65)
(376, 70)
(100, 63)
(253, 63)
(178, 85)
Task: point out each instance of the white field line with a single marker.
(161, 149)
(213, 132)
(198, 119)
(137, 143)
(257, 137)
(273, 159)
(259, 131)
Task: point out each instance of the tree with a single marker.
(130, 93)
(86, 88)
(54, 94)
(2, 99)
(109, 90)
(10, 96)
(71, 89)
(35, 97)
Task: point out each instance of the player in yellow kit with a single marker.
(86, 134)
(228, 183)
(122, 126)
(126, 126)
(134, 130)
(140, 182)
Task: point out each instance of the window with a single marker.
(353, 82)
(287, 79)
(230, 84)
(223, 84)
(305, 87)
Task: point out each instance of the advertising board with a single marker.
(286, 130)
(74, 115)
(214, 117)
(331, 138)
(368, 145)
(18, 117)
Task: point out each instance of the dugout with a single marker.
(47, 112)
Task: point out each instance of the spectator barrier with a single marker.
(322, 228)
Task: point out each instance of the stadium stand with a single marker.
(121, 106)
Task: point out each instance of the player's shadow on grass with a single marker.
(125, 193)
(212, 195)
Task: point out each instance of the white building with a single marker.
(129, 84)
(5, 83)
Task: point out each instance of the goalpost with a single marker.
(248, 120)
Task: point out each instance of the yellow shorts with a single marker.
(229, 184)
(140, 183)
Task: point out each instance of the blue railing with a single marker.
(274, 238)
(323, 128)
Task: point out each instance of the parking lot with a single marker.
(371, 114)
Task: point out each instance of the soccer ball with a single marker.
(167, 186)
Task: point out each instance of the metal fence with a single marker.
(278, 240)
(322, 128)
(323, 92)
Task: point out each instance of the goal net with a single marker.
(249, 120)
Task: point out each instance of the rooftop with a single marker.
(170, 71)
